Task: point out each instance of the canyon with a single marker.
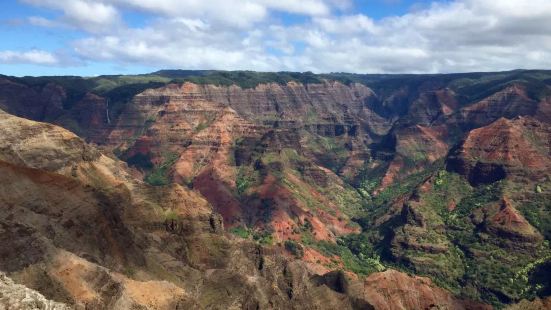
(250, 190)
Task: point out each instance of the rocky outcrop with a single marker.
(176, 113)
(15, 296)
(422, 144)
(91, 116)
(41, 145)
(537, 304)
(506, 222)
(417, 234)
(519, 146)
(78, 110)
(431, 105)
(510, 102)
(329, 109)
(37, 103)
(415, 147)
(395, 290)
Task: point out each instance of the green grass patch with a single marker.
(361, 263)
(241, 231)
(246, 177)
(159, 175)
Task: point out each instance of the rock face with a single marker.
(395, 290)
(506, 221)
(331, 109)
(15, 296)
(78, 110)
(201, 116)
(41, 146)
(505, 146)
(201, 125)
(537, 304)
(38, 104)
(509, 102)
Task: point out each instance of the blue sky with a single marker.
(93, 37)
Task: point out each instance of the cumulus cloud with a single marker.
(178, 42)
(451, 36)
(38, 57)
(231, 13)
(92, 16)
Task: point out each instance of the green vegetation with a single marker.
(448, 185)
(129, 271)
(536, 210)
(246, 177)
(122, 93)
(126, 83)
(449, 214)
(361, 263)
(121, 88)
(502, 272)
(294, 248)
(402, 187)
(250, 79)
(412, 154)
(330, 152)
(369, 178)
(355, 251)
(241, 231)
(201, 127)
(480, 196)
(118, 88)
(141, 161)
(159, 175)
(263, 237)
(75, 87)
(170, 214)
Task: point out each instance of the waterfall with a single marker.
(107, 112)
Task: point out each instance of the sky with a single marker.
(96, 37)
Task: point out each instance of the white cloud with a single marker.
(92, 16)
(178, 43)
(464, 35)
(42, 22)
(232, 13)
(455, 36)
(38, 57)
(347, 24)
